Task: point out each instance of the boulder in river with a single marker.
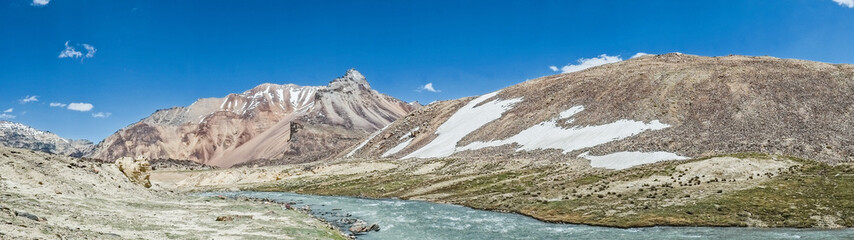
(361, 226)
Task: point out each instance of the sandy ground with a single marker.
(45, 196)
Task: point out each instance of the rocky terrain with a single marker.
(21, 136)
(44, 196)
(269, 124)
(750, 189)
(643, 110)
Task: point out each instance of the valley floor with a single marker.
(45, 196)
(754, 190)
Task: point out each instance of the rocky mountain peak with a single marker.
(22, 136)
(352, 78)
(270, 123)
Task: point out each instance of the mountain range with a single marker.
(643, 110)
(268, 124)
(21, 136)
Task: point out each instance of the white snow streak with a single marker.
(549, 135)
(222, 106)
(623, 160)
(571, 111)
(366, 141)
(466, 120)
(294, 96)
(281, 94)
(409, 133)
(402, 145)
(397, 148)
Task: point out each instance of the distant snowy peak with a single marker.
(267, 98)
(288, 97)
(22, 136)
(270, 122)
(7, 126)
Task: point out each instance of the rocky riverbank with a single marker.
(344, 222)
(753, 190)
(44, 196)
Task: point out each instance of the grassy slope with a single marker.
(810, 194)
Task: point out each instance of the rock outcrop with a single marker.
(361, 226)
(138, 169)
(650, 108)
(268, 124)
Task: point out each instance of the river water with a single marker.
(403, 219)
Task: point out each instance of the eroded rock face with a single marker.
(137, 169)
(690, 106)
(268, 124)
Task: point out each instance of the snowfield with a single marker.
(397, 148)
(546, 135)
(373, 135)
(549, 135)
(466, 120)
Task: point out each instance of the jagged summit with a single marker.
(352, 76)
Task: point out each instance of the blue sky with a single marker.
(122, 60)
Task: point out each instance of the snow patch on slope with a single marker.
(397, 148)
(409, 134)
(571, 112)
(549, 135)
(623, 160)
(466, 120)
(402, 145)
(366, 141)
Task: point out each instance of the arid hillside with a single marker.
(646, 109)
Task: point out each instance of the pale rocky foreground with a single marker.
(45, 196)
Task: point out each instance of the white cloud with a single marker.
(71, 52)
(644, 54)
(29, 99)
(847, 3)
(9, 110)
(6, 116)
(429, 88)
(56, 104)
(40, 2)
(90, 50)
(101, 115)
(586, 63)
(82, 107)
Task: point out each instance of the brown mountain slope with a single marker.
(643, 110)
(269, 124)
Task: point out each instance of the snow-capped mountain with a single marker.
(643, 110)
(22, 136)
(268, 124)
